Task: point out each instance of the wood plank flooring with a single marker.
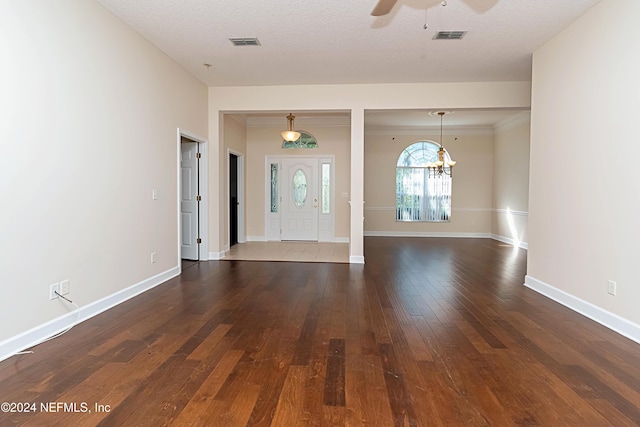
(430, 332)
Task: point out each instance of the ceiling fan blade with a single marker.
(383, 7)
(481, 6)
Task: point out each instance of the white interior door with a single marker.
(189, 201)
(299, 190)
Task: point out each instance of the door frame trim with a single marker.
(203, 216)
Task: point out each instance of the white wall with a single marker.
(235, 141)
(265, 141)
(89, 116)
(471, 197)
(355, 99)
(511, 180)
(584, 201)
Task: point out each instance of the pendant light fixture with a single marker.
(290, 135)
(437, 168)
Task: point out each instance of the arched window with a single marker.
(421, 195)
(306, 140)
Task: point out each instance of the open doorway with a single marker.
(233, 199)
(236, 197)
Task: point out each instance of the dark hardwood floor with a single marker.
(429, 332)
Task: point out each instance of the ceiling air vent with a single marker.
(245, 41)
(449, 35)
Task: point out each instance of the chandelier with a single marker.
(438, 168)
(290, 135)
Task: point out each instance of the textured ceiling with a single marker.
(338, 41)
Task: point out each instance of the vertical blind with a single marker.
(420, 197)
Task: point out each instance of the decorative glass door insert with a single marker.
(299, 187)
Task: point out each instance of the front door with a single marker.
(299, 189)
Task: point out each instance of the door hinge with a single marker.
(198, 198)
(198, 240)
(198, 155)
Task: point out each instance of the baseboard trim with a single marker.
(356, 259)
(427, 234)
(610, 320)
(339, 240)
(41, 333)
(510, 241)
(216, 256)
(264, 239)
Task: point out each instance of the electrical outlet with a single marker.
(153, 257)
(611, 287)
(64, 287)
(53, 289)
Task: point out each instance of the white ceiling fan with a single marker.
(383, 7)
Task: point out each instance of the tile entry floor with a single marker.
(289, 251)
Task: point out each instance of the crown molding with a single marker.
(280, 122)
(512, 122)
(430, 131)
